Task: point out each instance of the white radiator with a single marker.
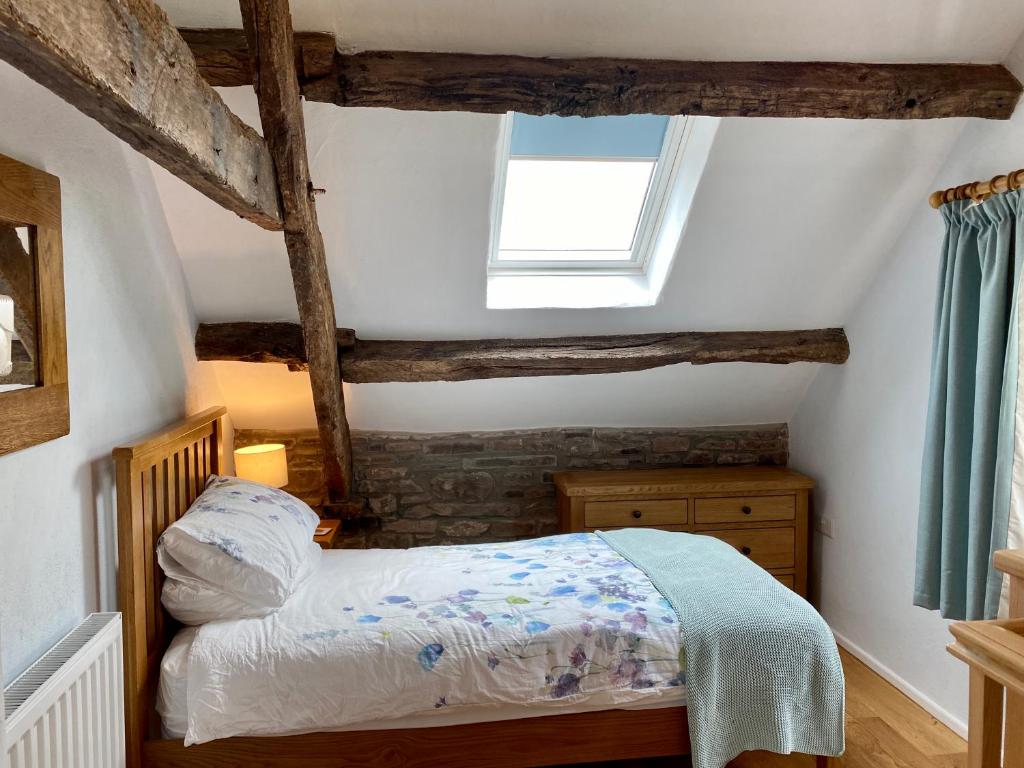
(67, 709)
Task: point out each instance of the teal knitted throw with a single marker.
(762, 667)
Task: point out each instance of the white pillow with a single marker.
(192, 601)
(172, 692)
(250, 542)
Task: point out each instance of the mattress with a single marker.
(432, 636)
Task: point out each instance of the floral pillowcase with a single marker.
(242, 546)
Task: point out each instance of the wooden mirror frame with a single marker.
(37, 414)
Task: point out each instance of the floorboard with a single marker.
(884, 729)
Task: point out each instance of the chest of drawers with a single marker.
(761, 511)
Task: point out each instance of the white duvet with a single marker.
(551, 625)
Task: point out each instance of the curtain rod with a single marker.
(978, 190)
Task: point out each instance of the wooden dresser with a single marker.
(761, 511)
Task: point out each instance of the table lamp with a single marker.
(267, 464)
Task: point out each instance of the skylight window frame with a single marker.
(649, 223)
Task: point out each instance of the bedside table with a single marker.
(326, 540)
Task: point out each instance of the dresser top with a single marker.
(686, 480)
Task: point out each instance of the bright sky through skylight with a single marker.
(584, 210)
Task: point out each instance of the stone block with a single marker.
(519, 477)
(463, 486)
(716, 444)
(512, 529)
(700, 458)
(737, 458)
(670, 444)
(508, 462)
(466, 529)
(404, 525)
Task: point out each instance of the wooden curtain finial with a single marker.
(936, 199)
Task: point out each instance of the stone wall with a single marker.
(492, 486)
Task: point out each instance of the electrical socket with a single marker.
(823, 525)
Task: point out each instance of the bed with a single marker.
(629, 712)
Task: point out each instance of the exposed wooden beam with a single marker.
(222, 55)
(377, 361)
(383, 361)
(261, 343)
(587, 87)
(268, 28)
(123, 64)
(605, 86)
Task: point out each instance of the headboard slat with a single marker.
(158, 479)
(160, 523)
(180, 480)
(197, 472)
(149, 553)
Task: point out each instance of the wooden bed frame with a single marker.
(157, 481)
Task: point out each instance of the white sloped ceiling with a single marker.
(790, 223)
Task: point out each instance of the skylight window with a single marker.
(579, 192)
(590, 197)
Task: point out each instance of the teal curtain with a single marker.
(968, 454)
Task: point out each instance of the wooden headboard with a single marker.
(157, 481)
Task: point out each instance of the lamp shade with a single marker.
(265, 464)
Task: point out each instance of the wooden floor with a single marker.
(884, 729)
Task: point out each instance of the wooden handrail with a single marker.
(1010, 561)
(994, 651)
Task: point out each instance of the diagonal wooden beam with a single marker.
(383, 361)
(606, 86)
(268, 28)
(123, 64)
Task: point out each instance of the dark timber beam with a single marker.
(261, 343)
(383, 361)
(123, 64)
(268, 29)
(222, 55)
(605, 86)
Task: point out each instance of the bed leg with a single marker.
(820, 761)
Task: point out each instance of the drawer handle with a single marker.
(746, 510)
(637, 513)
(745, 550)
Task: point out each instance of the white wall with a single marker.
(860, 432)
(130, 359)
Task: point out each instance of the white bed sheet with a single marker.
(430, 637)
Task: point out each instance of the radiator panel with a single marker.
(67, 709)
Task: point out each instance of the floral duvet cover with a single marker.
(382, 634)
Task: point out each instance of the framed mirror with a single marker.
(33, 347)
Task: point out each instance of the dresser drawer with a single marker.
(606, 514)
(768, 547)
(744, 509)
(786, 579)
